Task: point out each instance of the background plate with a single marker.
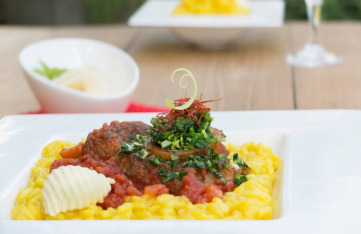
(159, 13)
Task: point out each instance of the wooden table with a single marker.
(250, 75)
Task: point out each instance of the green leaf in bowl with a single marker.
(48, 72)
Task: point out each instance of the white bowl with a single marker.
(208, 31)
(119, 68)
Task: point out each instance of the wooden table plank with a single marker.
(335, 86)
(15, 94)
(250, 75)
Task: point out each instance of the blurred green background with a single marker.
(73, 12)
(331, 10)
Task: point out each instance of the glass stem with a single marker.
(314, 18)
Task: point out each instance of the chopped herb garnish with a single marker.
(136, 145)
(48, 72)
(212, 162)
(167, 176)
(199, 164)
(126, 148)
(211, 151)
(142, 153)
(183, 129)
(155, 161)
(131, 137)
(165, 144)
(174, 157)
(224, 138)
(237, 160)
(239, 179)
(173, 161)
(181, 175)
(141, 138)
(216, 166)
(220, 176)
(224, 159)
(172, 164)
(209, 164)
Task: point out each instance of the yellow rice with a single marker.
(212, 7)
(250, 200)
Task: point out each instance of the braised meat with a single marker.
(143, 173)
(104, 143)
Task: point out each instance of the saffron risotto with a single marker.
(250, 200)
(232, 7)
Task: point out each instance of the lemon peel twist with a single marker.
(183, 85)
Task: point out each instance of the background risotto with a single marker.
(250, 200)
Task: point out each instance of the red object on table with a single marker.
(136, 107)
(132, 108)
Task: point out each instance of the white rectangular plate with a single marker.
(159, 13)
(321, 187)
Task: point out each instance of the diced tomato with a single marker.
(192, 189)
(213, 191)
(156, 190)
(132, 191)
(74, 152)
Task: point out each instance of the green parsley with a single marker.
(136, 145)
(220, 176)
(167, 176)
(155, 161)
(126, 148)
(142, 153)
(209, 162)
(184, 133)
(237, 160)
(181, 174)
(141, 138)
(131, 137)
(173, 161)
(48, 72)
(238, 179)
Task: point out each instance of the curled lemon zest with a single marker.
(183, 85)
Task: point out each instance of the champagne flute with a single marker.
(313, 53)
